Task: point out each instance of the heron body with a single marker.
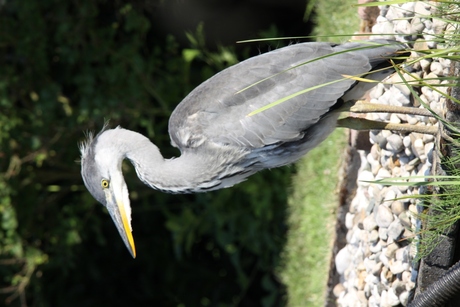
(222, 138)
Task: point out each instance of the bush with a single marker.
(67, 67)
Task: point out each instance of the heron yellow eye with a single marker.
(104, 183)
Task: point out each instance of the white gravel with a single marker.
(375, 266)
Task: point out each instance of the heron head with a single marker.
(102, 175)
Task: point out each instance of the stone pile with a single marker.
(376, 265)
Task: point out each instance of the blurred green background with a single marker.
(65, 68)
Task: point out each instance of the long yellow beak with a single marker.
(127, 230)
(116, 208)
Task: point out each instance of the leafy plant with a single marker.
(66, 68)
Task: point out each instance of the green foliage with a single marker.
(305, 260)
(66, 68)
(440, 211)
(336, 20)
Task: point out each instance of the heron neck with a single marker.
(185, 174)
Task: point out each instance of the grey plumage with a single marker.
(220, 144)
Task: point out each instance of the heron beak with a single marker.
(116, 208)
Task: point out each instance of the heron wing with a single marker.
(218, 110)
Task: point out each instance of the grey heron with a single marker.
(222, 136)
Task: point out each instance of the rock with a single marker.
(369, 223)
(402, 254)
(384, 299)
(373, 302)
(369, 264)
(374, 236)
(356, 235)
(377, 138)
(425, 64)
(343, 259)
(395, 119)
(386, 276)
(372, 279)
(418, 147)
(376, 292)
(375, 247)
(421, 9)
(428, 33)
(384, 27)
(404, 298)
(396, 267)
(398, 98)
(383, 216)
(397, 207)
(383, 233)
(446, 63)
(392, 298)
(386, 263)
(432, 78)
(408, 152)
(365, 177)
(338, 289)
(377, 269)
(437, 69)
(395, 230)
(398, 287)
(394, 143)
(428, 148)
(439, 25)
(417, 25)
(396, 172)
(389, 197)
(394, 13)
(407, 142)
(361, 280)
(412, 119)
(406, 277)
(390, 250)
(403, 27)
(362, 298)
(405, 220)
(428, 138)
(350, 298)
(375, 152)
(382, 174)
(349, 220)
(359, 218)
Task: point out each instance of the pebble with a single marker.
(342, 260)
(396, 267)
(369, 223)
(394, 143)
(437, 68)
(405, 220)
(375, 248)
(376, 265)
(392, 298)
(338, 289)
(374, 237)
(390, 250)
(404, 298)
(397, 207)
(383, 233)
(382, 174)
(365, 177)
(383, 216)
(418, 148)
(349, 220)
(395, 230)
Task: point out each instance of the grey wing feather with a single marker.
(216, 111)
